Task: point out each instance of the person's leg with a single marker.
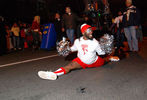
(134, 39)
(22, 45)
(66, 69)
(128, 36)
(18, 42)
(14, 42)
(70, 35)
(75, 64)
(59, 72)
(117, 43)
(140, 33)
(37, 41)
(140, 37)
(34, 44)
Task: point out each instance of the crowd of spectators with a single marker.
(20, 35)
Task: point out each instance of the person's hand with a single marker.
(40, 33)
(60, 49)
(136, 27)
(63, 29)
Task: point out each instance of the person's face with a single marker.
(57, 16)
(14, 24)
(128, 4)
(67, 10)
(86, 18)
(88, 34)
(119, 13)
(24, 25)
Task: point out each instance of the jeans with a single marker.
(130, 33)
(70, 35)
(16, 42)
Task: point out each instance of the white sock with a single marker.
(60, 71)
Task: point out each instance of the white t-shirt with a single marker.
(87, 50)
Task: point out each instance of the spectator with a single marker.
(139, 33)
(9, 39)
(131, 22)
(3, 41)
(119, 35)
(69, 23)
(29, 36)
(23, 35)
(16, 40)
(58, 27)
(36, 32)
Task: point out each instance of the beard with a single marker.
(88, 37)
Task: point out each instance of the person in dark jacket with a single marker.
(130, 21)
(69, 23)
(3, 41)
(58, 27)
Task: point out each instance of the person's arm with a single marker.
(63, 23)
(138, 18)
(113, 24)
(99, 50)
(74, 46)
(18, 29)
(64, 49)
(12, 29)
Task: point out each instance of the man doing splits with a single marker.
(87, 48)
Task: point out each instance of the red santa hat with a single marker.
(84, 27)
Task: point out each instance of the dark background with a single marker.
(25, 10)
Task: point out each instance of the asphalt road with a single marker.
(123, 80)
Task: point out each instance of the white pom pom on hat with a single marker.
(84, 27)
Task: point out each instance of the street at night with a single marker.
(73, 50)
(122, 80)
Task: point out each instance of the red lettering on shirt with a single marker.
(84, 48)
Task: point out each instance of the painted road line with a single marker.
(25, 61)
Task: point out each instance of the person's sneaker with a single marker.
(47, 75)
(114, 58)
